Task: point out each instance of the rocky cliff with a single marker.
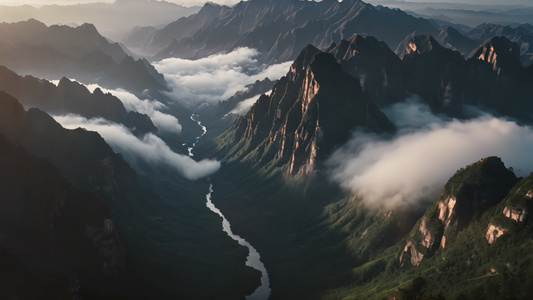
(310, 112)
(379, 70)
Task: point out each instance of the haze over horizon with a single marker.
(230, 2)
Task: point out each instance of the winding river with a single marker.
(254, 259)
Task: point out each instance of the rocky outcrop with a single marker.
(468, 194)
(310, 112)
(511, 215)
(494, 232)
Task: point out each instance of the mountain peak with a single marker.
(311, 111)
(501, 53)
(304, 58)
(467, 194)
(421, 43)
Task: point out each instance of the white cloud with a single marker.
(154, 109)
(415, 164)
(150, 148)
(244, 106)
(217, 77)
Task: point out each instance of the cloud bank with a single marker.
(217, 77)
(154, 109)
(149, 148)
(416, 163)
(244, 106)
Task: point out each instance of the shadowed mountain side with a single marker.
(30, 47)
(380, 72)
(171, 240)
(71, 97)
(63, 234)
(490, 79)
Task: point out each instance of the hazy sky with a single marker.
(45, 2)
(200, 2)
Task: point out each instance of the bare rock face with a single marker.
(501, 54)
(310, 111)
(469, 193)
(494, 232)
(511, 215)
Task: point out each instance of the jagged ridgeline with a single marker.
(404, 252)
(309, 112)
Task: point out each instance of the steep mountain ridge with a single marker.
(491, 79)
(310, 111)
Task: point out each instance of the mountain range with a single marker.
(277, 153)
(112, 19)
(277, 29)
(32, 48)
(81, 222)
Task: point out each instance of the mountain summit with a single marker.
(310, 112)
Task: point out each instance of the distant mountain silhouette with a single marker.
(278, 29)
(71, 97)
(112, 19)
(30, 47)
